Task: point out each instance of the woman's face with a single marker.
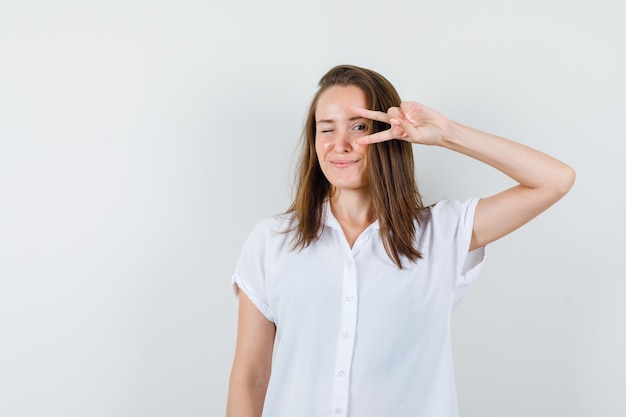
(343, 161)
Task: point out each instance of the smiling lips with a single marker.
(343, 164)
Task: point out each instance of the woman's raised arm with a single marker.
(542, 180)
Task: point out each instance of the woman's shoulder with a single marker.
(276, 225)
(451, 211)
(452, 206)
(446, 221)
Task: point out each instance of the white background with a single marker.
(141, 140)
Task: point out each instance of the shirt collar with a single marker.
(328, 219)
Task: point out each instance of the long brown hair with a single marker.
(391, 172)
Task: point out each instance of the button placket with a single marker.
(346, 340)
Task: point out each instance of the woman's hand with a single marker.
(411, 122)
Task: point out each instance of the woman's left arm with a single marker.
(542, 180)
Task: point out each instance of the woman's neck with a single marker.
(354, 210)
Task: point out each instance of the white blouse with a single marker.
(355, 335)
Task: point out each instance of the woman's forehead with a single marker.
(337, 102)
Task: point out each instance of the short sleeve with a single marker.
(459, 223)
(474, 259)
(250, 271)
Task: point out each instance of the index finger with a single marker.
(378, 137)
(372, 114)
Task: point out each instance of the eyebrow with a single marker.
(332, 121)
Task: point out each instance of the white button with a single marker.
(341, 373)
(366, 238)
(338, 410)
(349, 262)
(347, 334)
(349, 298)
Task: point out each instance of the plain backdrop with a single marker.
(141, 140)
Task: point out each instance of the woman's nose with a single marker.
(343, 142)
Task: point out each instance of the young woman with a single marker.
(345, 300)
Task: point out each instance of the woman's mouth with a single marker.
(343, 164)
